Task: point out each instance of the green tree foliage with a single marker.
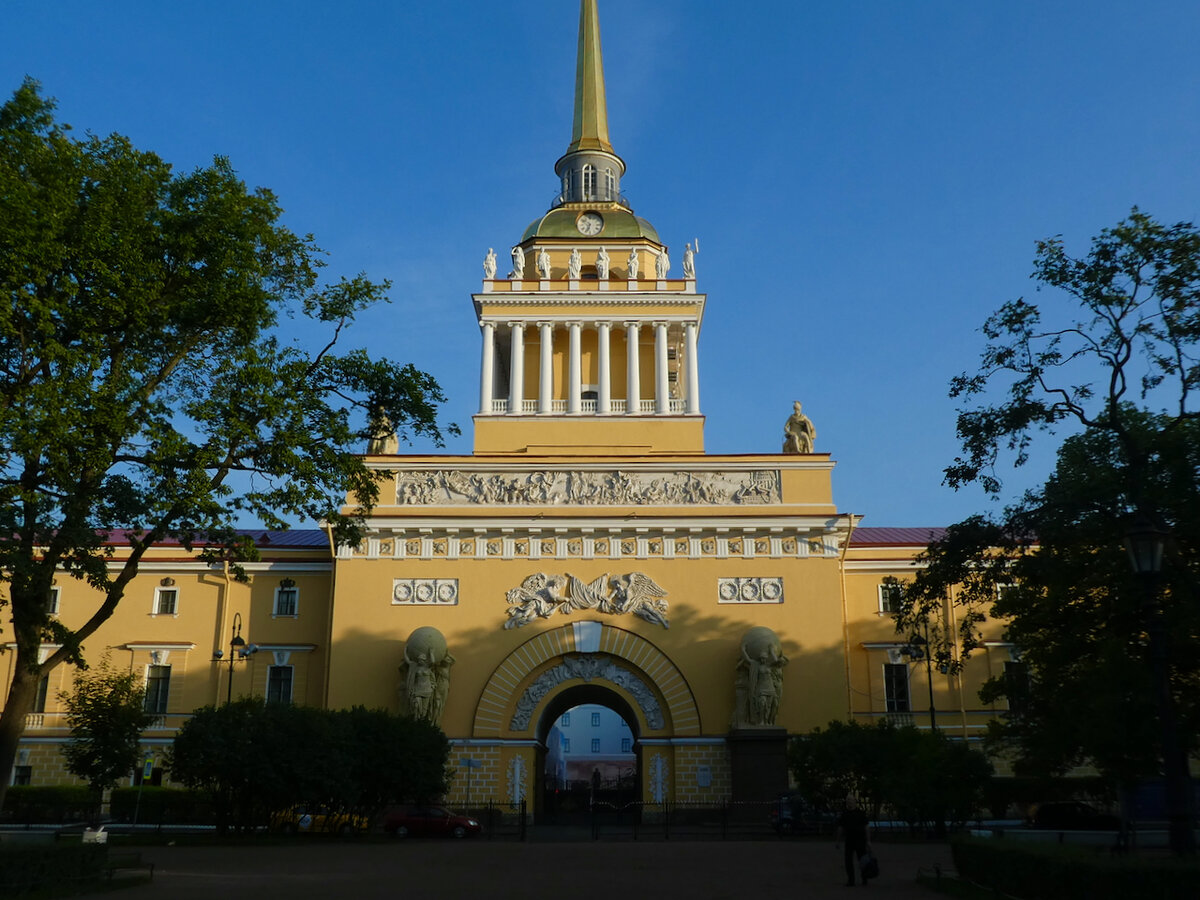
(920, 777)
(146, 386)
(106, 715)
(1119, 368)
(255, 759)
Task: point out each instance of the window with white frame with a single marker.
(595, 745)
(895, 687)
(166, 601)
(22, 775)
(52, 602)
(39, 699)
(626, 745)
(158, 686)
(566, 745)
(287, 600)
(610, 185)
(279, 684)
(595, 720)
(1005, 592)
(589, 182)
(891, 595)
(566, 719)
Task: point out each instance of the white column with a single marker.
(633, 373)
(574, 371)
(693, 371)
(487, 368)
(662, 395)
(545, 369)
(516, 371)
(604, 365)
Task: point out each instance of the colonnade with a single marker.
(660, 404)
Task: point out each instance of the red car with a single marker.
(427, 821)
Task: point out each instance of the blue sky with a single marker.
(867, 179)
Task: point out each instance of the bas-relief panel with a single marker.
(617, 488)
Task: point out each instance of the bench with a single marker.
(127, 860)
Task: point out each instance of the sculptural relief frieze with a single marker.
(565, 488)
(749, 590)
(587, 667)
(541, 596)
(425, 592)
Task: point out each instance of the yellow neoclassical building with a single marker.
(588, 550)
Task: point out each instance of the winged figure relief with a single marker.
(639, 594)
(538, 596)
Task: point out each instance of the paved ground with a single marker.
(604, 870)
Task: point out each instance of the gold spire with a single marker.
(590, 130)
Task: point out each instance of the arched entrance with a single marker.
(584, 757)
(586, 662)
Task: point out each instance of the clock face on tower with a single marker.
(589, 223)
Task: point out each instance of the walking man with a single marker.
(853, 831)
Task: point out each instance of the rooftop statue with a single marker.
(602, 264)
(543, 264)
(632, 264)
(799, 435)
(518, 258)
(662, 264)
(574, 265)
(689, 262)
(489, 264)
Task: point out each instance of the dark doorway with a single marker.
(590, 757)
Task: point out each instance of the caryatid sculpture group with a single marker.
(425, 674)
(758, 679)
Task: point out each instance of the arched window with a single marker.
(610, 185)
(566, 185)
(589, 182)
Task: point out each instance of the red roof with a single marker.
(904, 537)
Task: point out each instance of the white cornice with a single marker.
(880, 565)
(694, 464)
(784, 522)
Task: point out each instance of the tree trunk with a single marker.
(12, 720)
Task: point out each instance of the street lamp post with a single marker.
(1145, 542)
(238, 651)
(918, 648)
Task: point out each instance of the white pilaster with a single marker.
(487, 367)
(604, 364)
(516, 371)
(633, 372)
(574, 371)
(693, 371)
(662, 396)
(545, 368)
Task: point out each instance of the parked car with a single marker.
(317, 819)
(428, 821)
(1072, 815)
(791, 814)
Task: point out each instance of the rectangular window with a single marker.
(895, 687)
(596, 720)
(279, 684)
(1005, 592)
(22, 775)
(287, 601)
(1016, 685)
(158, 685)
(566, 745)
(626, 745)
(39, 701)
(166, 601)
(891, 594)
(52, 603)
(595, 745)
(566, 719)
